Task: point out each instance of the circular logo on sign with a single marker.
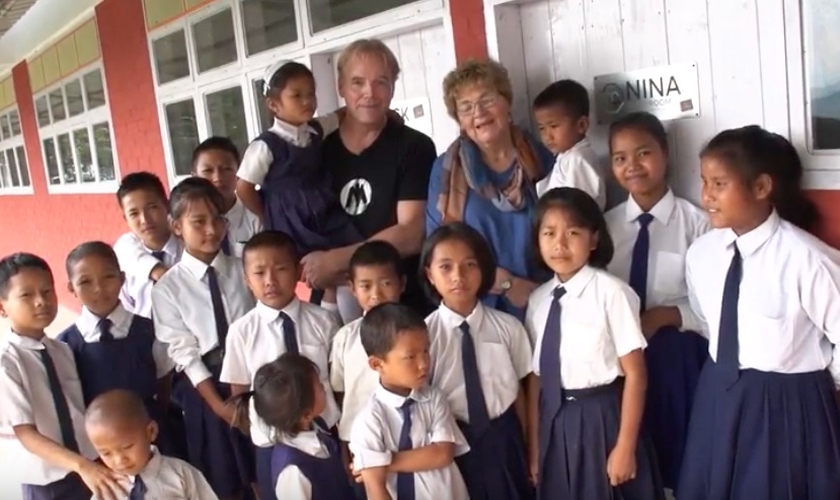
(355, 196)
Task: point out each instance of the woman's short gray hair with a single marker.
(373, 47)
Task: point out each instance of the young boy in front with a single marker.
(149, 248)
(217, 159)
(405, 439)
(562, 114)
(41, 395)
(122, 433)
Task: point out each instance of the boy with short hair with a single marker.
(562, 114)
(406, 431)
(122, 433)
(40, 392)
(149, 249)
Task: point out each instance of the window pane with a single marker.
(24, 168)
(81, 141)
(215, 44)
(57, 105)
(170, 54)
(266, 116)
(5, 179)
(104, 151)
(94, 90)
(14, 122)
(43, 111)
(75, 103)
(822, 17)
(13, 170)
(331, 13)
(183, 134)
(52, 161)
(268, 24)
(68, 167)
(226, 114)
(4, 126)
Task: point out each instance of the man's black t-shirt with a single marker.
(396, 167)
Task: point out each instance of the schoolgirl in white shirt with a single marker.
(585, 409)
(765, 421)
(279, 323)
(480, 360)
(652, 231)
(193, 304)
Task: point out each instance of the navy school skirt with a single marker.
(575, 445)
(674, 360)
(223, 454)
(71, 487)
(496, 467)
(771, 436)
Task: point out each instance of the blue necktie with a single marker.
(62, 410)
(105, 334)
(226, 245)
(727, 349)
(639, 264)
(550, 378)
(160, 255)
(138, 491)
(218, 306)
(476, 405)
(405, 480)
(289, 337)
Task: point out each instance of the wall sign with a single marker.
(669, 92)
(415, 113)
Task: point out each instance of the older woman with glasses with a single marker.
(487, 177)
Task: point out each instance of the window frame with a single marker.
(88, 119)
(15, 143)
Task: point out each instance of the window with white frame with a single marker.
(209, 64)
(74, 122)
(821, 43)
(14, 169)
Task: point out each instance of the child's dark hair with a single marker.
(12, 265)
(270, 239)
(281, 77)
(585, 212)
(644, 122)
(568, 94)
(283, 393)
(752, 151)
(216, 143)
(141, 181)
(381, 325)
(194, 189)
(473, 239)
(376, 253)
(89, 249)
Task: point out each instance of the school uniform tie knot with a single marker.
(558, 293)
(476, 404)
(727, 349)
(138, 491)
(160, 255)
(105, 334)
(405, 480)
(289, 333)
(639, 262)
(550, 374)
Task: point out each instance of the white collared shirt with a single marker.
(258, 157)
(242, 225)
(121, 319)
(502, 351)
(26, 399)
(578, 168)
(676, 224)
(137, 262)
(351, 374)
(169, 478)
(376, 437)
(291, 483)
(256, 339)
(599, 323)
(789, 299)
(183, 310)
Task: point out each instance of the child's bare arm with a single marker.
(429, 457)
(375, 480)
(247, 192)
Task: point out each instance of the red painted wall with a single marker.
(828, 203)
(468, 28)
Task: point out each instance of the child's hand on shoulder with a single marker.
(621, 464)
(658, 317)
(103, 482)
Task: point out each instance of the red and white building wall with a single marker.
(97, 89)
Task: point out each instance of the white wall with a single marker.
(738, 45)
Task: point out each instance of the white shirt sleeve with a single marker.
(255, 163)
(819, 291)
(196, 486)
(163, 362)
(368, 443)
(520, 350)
(291, 483)
(702, 326)
(337, 360)
(133, 257)
(184, 348)
(444, 429)
(15, 407)
(234, 365)
(572, 170)
(623, 321)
